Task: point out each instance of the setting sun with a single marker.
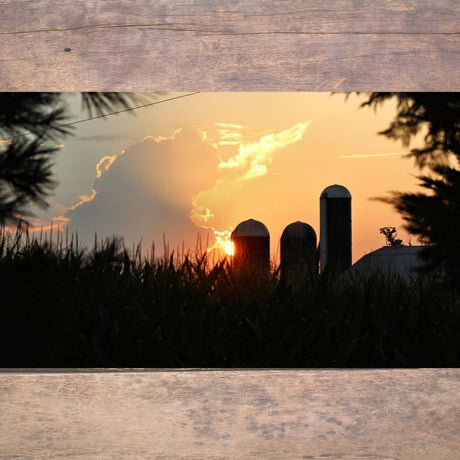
(229, 248)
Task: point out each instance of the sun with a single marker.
(223, 243)
(229, 248)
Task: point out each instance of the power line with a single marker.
(106, 114)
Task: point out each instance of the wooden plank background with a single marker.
(256, 45)
(382, 414)
(253, 45)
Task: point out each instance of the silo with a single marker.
(335, 231)
(251, 243)
(298, 246)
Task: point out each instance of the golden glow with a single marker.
(229, 248)
(371, 155)
(223, 243)
(36, 225)
(159, 139)
(254, 158)
(200, 214)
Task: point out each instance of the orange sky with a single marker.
(215, 159)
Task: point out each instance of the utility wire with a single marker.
(106, 114)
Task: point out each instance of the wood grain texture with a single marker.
(253, 45)
(383, 414)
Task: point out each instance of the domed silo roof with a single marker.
(335, 227)
(336, 191)
(299, 230)
(250, 227)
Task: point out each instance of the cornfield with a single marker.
(66, 306)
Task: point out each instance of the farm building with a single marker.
(400, 260)
(251, 240)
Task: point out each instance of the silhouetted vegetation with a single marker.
(390, 236)
(63, 306)
(433, 216)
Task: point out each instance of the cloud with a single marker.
(104, 164)
(229, 134)
(239, 177)
(104, 138)
(147, 190)
(370, 155)
(254, 158)
(185, 187)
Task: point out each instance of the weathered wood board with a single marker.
(252, 45)
(383, 414)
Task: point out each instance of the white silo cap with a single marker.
(335, 191)
(250, 227)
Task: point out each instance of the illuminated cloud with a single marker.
(44, 226)
(162, 138)
(146, 192)
(371, 155)
(200, 213)
(105, 164)
(225, 137)
(102, 166)
(253, 158)
(229, 134)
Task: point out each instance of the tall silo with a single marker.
(251, 243)
(298, 247)
(335, 228)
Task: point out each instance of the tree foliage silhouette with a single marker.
(433, 216)
(390, 236)
(30, 127)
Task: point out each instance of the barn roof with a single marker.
(402, 260)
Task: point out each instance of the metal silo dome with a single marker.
(251, 243)
(336, 191)
(250, 228)
(299, 230)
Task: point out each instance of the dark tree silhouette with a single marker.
(433, 216)
(27, 121)
(437, 113)
(390, 236)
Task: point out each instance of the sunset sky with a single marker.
(204, 163)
